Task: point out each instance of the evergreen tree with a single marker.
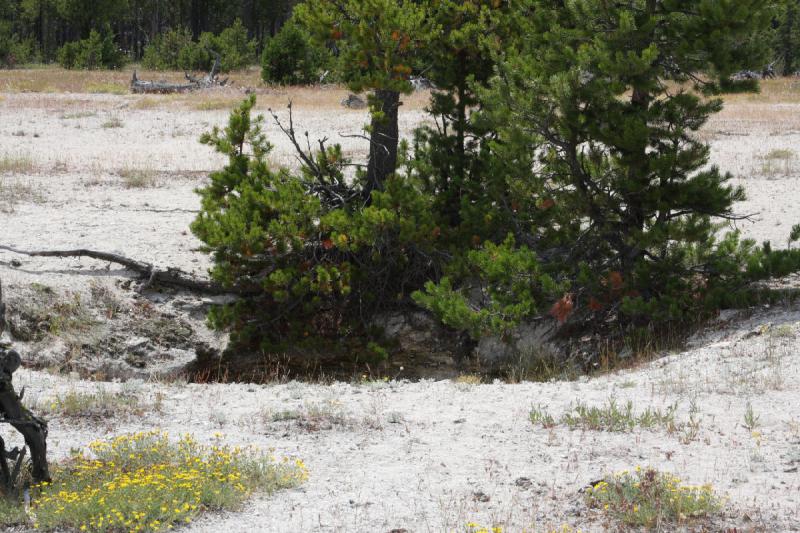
(596, 108)
(787, 37)
(451, 157)
(377, 41)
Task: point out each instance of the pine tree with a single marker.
(377, 41)
(788, 37)
(451, 157)
(596, 106)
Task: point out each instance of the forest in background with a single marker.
(33, 31)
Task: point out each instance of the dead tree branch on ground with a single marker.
(170, 277)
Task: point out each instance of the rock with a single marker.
(480, 497)
(527, 340)
(418, 333)
(353, 101)
(523, 482)
(138, 346)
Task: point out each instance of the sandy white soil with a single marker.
(425, 456)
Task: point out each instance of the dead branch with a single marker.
(171, 277)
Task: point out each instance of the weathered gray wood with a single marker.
(162, 87)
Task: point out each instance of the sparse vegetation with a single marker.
(113, 122)
(97, 404)
(16, 164)
(610, 417)
(138, 178)
(313, 416)
(751, 419)
(778, 161)
(14, 191)
(648, 498)
(78, 114)
(107, 88)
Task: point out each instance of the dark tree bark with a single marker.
(32, 428)
(384, 136)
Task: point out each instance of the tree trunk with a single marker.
(384, 136)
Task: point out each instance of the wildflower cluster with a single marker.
(565, 528)
(146, 482)
(473, 527)
(647, 498)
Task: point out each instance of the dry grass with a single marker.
(58, 80)
(14, 191)
(138, 178)
(113, 122)
(777, 91)
(117, 82)
(18, 163)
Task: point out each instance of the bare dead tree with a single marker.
(32, 428)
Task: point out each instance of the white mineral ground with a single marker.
(402, 454)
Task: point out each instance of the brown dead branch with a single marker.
(170, 277)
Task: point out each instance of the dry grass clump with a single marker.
(14, 191)
(777, 161)
(312, 417)
(78, 114)
(18, 163)
(214, 104)
(651, 499)
(468, 379)
(101, 403)
(148, 482)
(107, 88)
(113, 122)
(138, 178)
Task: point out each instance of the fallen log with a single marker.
(170, 277)
(162, 87)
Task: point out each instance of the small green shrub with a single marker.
(292, 58)
(648, 498)
(95, 52)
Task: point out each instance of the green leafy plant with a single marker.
(611, 417)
